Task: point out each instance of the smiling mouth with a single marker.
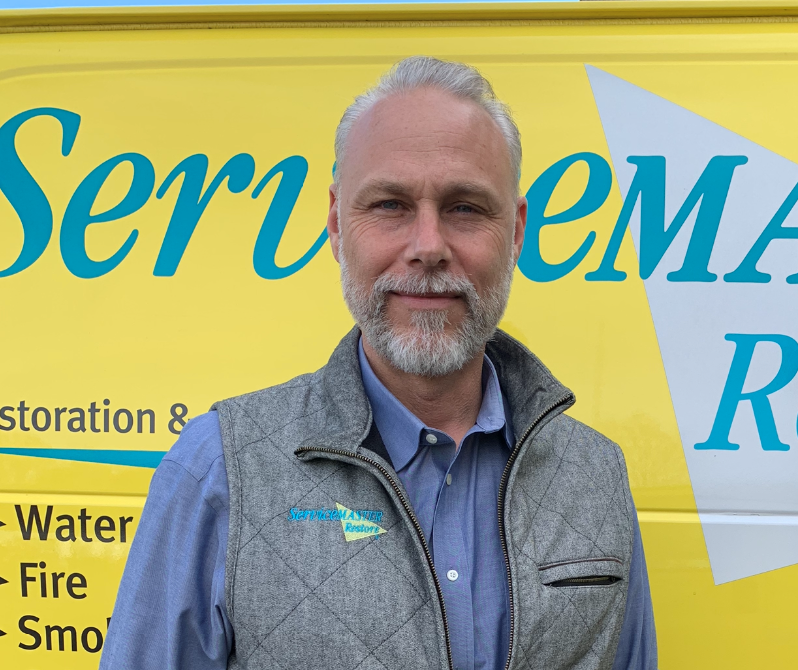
(427, 300)
(425, 295)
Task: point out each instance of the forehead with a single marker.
(427, 136)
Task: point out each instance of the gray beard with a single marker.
(426, 349)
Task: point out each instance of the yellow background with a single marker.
(215, 329)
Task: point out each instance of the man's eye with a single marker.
(389, 205)
(464, 209)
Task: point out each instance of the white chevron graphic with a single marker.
(747, 499)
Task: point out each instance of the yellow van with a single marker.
(161, 167)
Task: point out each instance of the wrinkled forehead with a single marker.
(427, 136)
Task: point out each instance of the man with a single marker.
(421, 501)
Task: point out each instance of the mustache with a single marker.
(426, 283)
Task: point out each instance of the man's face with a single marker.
(428, 225)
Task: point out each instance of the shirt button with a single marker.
(449, 479)
(431, 439)
(452, 575)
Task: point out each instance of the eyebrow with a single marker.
(381, 186)
(388, 187)
(469, 189)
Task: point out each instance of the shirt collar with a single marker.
(402, 431)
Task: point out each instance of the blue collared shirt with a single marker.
(454, 495)
(171, 614)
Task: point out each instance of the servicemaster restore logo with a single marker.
(356, 524)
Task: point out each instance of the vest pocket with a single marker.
(582, 573)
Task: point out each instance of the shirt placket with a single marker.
(450, 553)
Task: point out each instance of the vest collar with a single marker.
(528, 386)
(530, 389)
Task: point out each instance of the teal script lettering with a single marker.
(648, 185)
(531, 263)
(25, 195)
(733, 393)
(707, 199)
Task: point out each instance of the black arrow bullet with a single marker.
(3, 581)
(2, 632)
(1, 525)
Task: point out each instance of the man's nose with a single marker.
(428, 244)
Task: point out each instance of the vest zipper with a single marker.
(416, 524)
(565, 400)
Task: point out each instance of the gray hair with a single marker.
(461, 80)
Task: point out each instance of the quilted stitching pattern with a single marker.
(302, 597)
(318, 586)
(574, 506)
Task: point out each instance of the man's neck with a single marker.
(450, 403)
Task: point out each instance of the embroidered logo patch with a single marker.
(356, 524)
(358, 528)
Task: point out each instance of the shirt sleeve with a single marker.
(170, 611)
(637, 646)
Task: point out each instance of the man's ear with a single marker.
(333, 224)
(520, 226)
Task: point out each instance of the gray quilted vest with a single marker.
(327, 567)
